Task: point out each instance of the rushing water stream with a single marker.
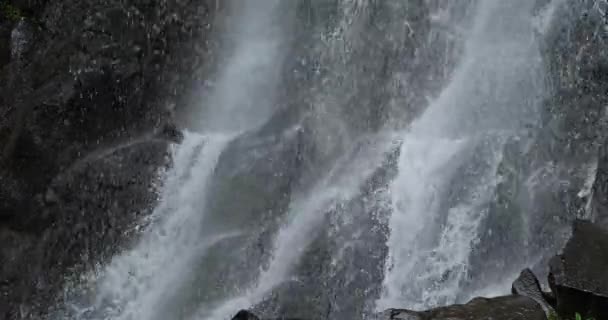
(373, 209)
(495, 90)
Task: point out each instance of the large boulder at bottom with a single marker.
(513, 307)
(247, 315)
(502, 308)
(528, 285)
(579, 276)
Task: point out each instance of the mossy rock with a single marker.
(10, 12)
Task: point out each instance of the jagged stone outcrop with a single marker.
(579, 276)
(513, 307)
(528, 285)
(502, 308)
(246, 315)
(88, 93)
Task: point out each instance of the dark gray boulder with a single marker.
(402, 314)
(501, 308)
(247, 315)
(528, 285)
(579, 276)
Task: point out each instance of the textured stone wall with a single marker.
(88, 93)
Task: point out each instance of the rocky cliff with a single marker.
(578, 289)
(92, 95)
(88, 93)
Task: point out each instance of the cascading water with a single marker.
(352, 207)
(136, 283)
(306, 213)
(493, 93)
(133, 286)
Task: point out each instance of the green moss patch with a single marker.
(10, 12)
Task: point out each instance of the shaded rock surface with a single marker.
(501, 308)
(528, 285)
(513, 307)
(578, 276)
(88, 94)
(246, 315)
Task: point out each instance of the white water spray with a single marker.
(136, 283)
(242, 96)
(492, 93)
(494, 90)
(306, 214)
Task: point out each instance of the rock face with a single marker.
(246, 315)
(501, 308)
(88, 93)
(527, 285)
(578, 276)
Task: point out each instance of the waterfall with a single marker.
(306, 213)
(242, 95)
(138, 283)
(494, 92)
(135, 283)
(338, 164)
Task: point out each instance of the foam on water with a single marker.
(138, 281)
(416, 194)
(494, 89)
(493, 93)
(306, 214)
(133, 285)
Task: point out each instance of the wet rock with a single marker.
(502, 308)
(5, 35)
(333, 280)
(21, 39)
(171, 133)
(89, 209)
(245, 315)
(15, 249)
(262, 169)
(402, 314)
(88, 95)
(598, 209)
(527, 285)
(578, 276)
